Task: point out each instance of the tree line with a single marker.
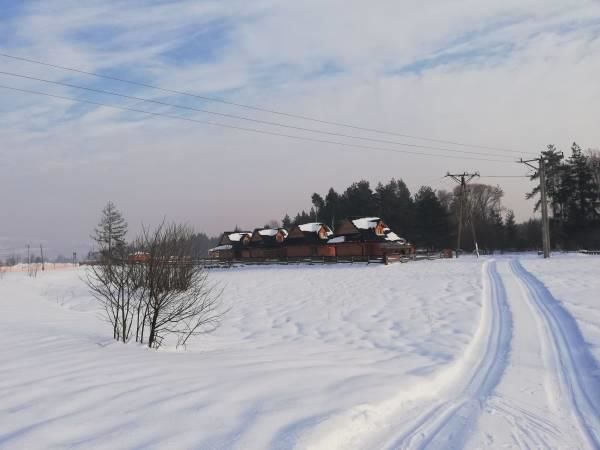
(428, 218)
(573, 191)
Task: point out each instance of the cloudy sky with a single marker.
(510, 76)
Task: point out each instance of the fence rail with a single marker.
(216, 263)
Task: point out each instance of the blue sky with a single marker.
(511, 74)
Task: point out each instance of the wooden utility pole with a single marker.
(463, 179)
(541, 168)
(42, 256)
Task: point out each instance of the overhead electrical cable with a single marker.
(504, 176)
(252, 130)
(257, 108)
(248, 119)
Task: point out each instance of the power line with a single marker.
(13, 249)
(232, 116)
(256, 108)
(504, 176)
(252, 130)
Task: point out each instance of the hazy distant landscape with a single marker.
(299, 225)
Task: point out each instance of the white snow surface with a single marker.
(575, 283)
(391, 236)
(490, 353)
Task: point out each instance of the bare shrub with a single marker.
(153, 289)
(32, 269)
(115, 286)
(178, 298)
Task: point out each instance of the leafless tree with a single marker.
(151, 288)
(32, 269)
(116, 288)
(178, 298)
(272, 224)
(484, 200)
(446, 198)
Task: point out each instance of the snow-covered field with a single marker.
(489, 353)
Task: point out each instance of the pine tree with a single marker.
(432, 219)
(110, 233)
(554, 183)
(358, 200)
(583, 189)
(510, 230)
(286, 222)
(496, 239)
(318, 205)
(332, 212)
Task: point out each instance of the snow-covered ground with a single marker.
(489, 353)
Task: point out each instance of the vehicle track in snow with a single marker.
(448, 424)
(570, 359)
(443, 412)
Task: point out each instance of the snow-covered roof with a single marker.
(272, 231)
(314, 227)
(391, 236)
(221, 247)
(236, 237)
(365, 223)
(337, 240)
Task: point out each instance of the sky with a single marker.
(508, 76)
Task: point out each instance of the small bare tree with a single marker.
(32, 269)
(179, 299)
(117, 289)
(157, 291)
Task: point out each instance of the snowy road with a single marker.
(527, 380)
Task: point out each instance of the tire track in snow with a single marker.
(576, 368)
(448, 425)
(462, 391)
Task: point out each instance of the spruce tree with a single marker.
(510, 230)
(554, 183)
(583, 190)
(432, 220)
(286, 222)
(110, 233)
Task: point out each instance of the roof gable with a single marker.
(346, 227)
(269, 235)
(234, 237)
(316, 230)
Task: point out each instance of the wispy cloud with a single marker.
(516, 73)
